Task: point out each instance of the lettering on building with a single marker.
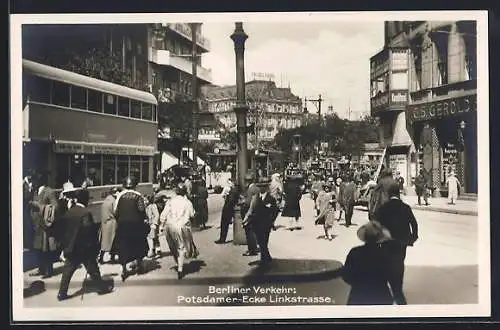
(442, 109)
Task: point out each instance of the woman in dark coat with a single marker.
(367, 269)
(292, 195)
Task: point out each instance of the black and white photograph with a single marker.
(250, 166)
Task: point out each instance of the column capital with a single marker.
(239, 36)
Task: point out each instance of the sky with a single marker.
(327, 58)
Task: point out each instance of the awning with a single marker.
(168, 160)
(72, 147)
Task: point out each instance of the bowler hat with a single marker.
(373, 232)
(263, 181)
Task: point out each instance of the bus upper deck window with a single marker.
(110, 104)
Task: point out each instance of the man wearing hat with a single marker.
(371, 259)
(28, 195)
(399, 219)
(260, 217)
(130, 212)
(77, 232)
(251, 190)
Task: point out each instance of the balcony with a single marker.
(165, 57)
(184, 30)
(445, 91)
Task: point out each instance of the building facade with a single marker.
(440, 114)
(271, 108)
(170, 50)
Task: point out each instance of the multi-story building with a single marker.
(435, 62)
(171, 71)
(271, 108)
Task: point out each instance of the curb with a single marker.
(332, 270)
(444, 210)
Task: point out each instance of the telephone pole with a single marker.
(319, 100)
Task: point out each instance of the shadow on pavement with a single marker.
(35, 288)
(441, 284)
(289, 278)
(194, 266)
(90, 287)
(324, 237)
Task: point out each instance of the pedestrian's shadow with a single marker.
(35, 288)
(324, 237)
(279, 227)
(89, 287)
(150, 265)
(194, 266)
(345, 225)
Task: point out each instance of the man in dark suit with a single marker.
(348, 199)
(250, 191)
(230, 201)
(78, 235)
(260, 217)
(399, 219)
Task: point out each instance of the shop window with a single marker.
(60, 94)
(77, 169)
(62, 169)
(110, 104)
(109, 170)
(94, 173)
(94, 100)
(78, 98)
(123, 107)
(122, 166)
(37, 89)
(135, 167)
(135, 110)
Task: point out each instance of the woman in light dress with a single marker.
(453, 188)
(176, 219)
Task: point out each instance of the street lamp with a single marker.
(319, 100)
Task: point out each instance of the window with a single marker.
(122, 168)
(77, 169)
(470, 64)
(62, 169)
(37, 89)
(123, 107)
(78, 97)
(108, 170)
(135, 111)
(135, 167)
(94, 100)
(147, 111)
(60, 94)
(110, 104)
(94, 169)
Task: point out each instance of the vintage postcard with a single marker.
(250, 166)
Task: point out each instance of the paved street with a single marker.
(441, 267)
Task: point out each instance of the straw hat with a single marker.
(263, 181)
(373, 232)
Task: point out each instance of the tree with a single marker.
(344, 137)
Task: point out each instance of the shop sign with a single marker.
(442, 109)
(83, 148)
(380, 100)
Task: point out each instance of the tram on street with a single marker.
(78, 128)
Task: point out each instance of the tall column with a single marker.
(239, 37)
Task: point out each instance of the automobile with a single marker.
(364, 193)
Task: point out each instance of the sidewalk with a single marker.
(440, 204)
(217, 264)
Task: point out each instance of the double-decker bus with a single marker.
(80, 128)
